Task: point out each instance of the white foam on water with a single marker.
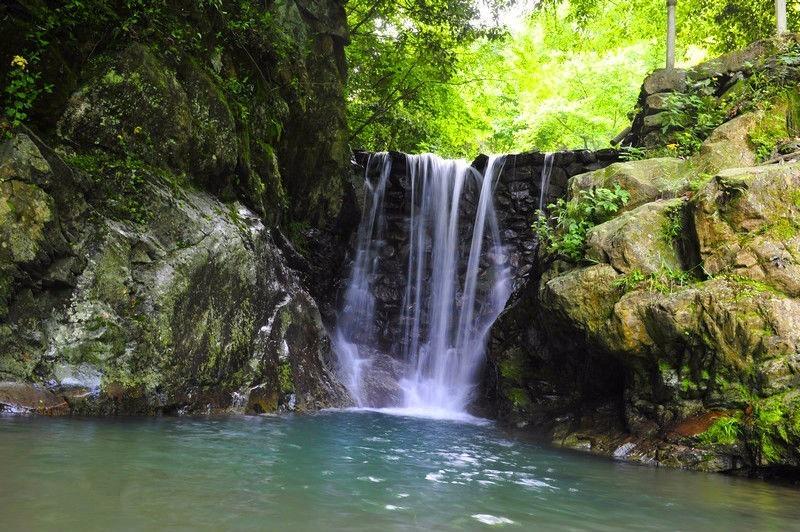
(488, 519)
(371, 479)
(392, 507)
(422, 413)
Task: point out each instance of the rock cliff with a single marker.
(143, 267)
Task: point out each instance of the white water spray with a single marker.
(455, 284)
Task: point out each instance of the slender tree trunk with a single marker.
(671, 31)
(780, 16)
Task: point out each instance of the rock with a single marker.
(645, 180)
(729, 145)
(583, 297)
(25, 398)
(636, 240)
(25, 208)
(664, 80)
(746, 225)
(657, 102)
(736, 61)
(654, 121)
(212, 314)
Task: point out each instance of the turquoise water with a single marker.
(347, 470)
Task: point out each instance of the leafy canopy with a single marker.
(434, 75)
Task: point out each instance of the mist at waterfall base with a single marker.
(453, 287)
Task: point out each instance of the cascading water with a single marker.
(454, 278)
(547, 172)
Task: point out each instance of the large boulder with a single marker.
(583, 297)
(729, 145)
(646, 180)
(191, 310)
(747, 225)
(639, 240)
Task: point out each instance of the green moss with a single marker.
(518, 397)
(512, 368)
(5, 291)
(783, 229)
(296, 232)
(747, 287)
(285, 380)
(112, 77)
(794, 197)
(769, 132)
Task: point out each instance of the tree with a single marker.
(404, 58)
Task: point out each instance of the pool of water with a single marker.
(347, 470)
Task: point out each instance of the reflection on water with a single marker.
(347, 470)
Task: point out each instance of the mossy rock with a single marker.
(638, 240)
(747, 224)
(646, 180)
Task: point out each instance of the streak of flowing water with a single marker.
(356, 321)
(547, 172)
(454, 286)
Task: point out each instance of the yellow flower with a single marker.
(19, 62)
(672, 146)
(137, 130)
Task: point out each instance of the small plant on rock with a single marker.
(563, 232)
(691, 116)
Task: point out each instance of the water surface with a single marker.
(347, 470)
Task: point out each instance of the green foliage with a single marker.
(404, 84)
(633, 153)
(563, 232)
(170, 27)
(21, 91)
(691, 116)
(724, 431)
(631, 280)
(565, 76)
(672, 229)
(665, 281)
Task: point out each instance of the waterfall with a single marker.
(454, 280)
(547, 172)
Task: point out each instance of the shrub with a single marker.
(563, 232)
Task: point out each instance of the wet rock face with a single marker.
(194, 310)
(136, 271)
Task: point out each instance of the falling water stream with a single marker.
(455, 283)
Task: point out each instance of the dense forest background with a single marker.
(455, 77)
(459, 77)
